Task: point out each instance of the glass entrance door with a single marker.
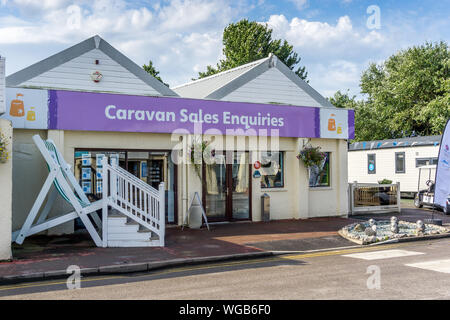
(215, 188)
(240, 186)
(226, 187)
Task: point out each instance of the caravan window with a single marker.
(425, 161)
(399, 162)
(371, 164)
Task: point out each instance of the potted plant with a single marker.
(311, 156)
(197, 155)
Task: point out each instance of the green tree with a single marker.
(408, 94)
(343, 100)
(246, 41)
(152, 70)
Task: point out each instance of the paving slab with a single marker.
(308, 244)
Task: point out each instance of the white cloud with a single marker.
(182, 37)
(318, 35)
(300, 4)
(334, 54)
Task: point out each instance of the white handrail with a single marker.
(135, 179)
(135, 199)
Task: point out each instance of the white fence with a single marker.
(374, 197)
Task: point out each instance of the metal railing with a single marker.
(374, 197)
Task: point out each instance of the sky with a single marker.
(336, 39)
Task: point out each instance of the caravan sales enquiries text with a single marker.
(113, 113)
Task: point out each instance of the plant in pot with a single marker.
(311, 156)
(199, 152)
(313, 160)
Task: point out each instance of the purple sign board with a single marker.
(70, 110)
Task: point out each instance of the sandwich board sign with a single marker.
(196, 203)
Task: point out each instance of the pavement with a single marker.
(411, 270)
(48, 257)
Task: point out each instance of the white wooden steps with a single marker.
(124, 232)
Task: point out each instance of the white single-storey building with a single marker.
(397, 160)
(93, 101)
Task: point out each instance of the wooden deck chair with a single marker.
(66, 185)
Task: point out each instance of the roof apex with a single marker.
(94, 42)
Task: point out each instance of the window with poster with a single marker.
(151, 166)
(272, 170)
(319, 176)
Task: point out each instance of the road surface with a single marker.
(412, 270)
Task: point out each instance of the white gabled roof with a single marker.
(71, 68)
(223, 84)
(203, 87)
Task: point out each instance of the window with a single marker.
(152, 167)
(272, 170)
(319, 176)
(371, 164)
(399, 162)
(425, 161)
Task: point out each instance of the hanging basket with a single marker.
(311, 156)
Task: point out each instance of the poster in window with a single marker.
(86, 173)
(86, 186)
(144, 169)
(99, 159)
(99, 186)
(371, 167)
(319, 176)
(114, 158)
(86, 159)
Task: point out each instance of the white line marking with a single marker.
(383, 254)
(436, 265)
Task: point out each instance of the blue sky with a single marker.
(182, 37)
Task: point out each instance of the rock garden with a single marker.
(373, 231)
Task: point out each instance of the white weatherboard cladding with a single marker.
(203, 87)
(2, 85)
(385, 166)
(76, 75)
(272, 86)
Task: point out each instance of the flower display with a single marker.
(311, 156)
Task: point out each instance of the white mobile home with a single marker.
(396, 159)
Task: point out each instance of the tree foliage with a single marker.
(246, 41)
(406, 95)
(152, 70)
